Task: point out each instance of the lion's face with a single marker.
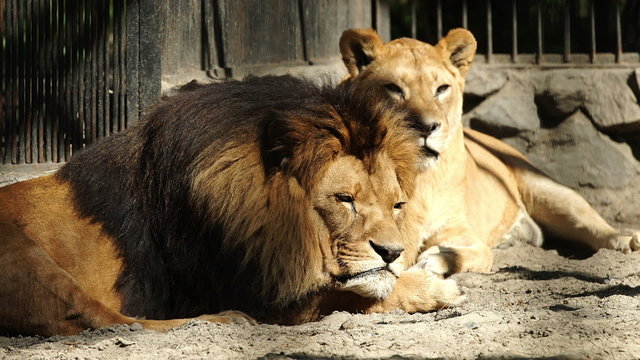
(361, 209)
(428, 80)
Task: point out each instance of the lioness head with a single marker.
(428, 79)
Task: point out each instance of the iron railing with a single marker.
(555, 31)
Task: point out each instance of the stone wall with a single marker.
(580, 126)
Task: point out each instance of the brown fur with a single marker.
(475, 191)
(270, 196)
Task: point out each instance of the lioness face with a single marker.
(362, 209)
(428, 80)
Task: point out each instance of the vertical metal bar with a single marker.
(3, 83)
(107, 72)
(48, 109)
(80, 69)
(592, 20)
(61, 90)
(7, 80)
(465, 19)
(439, 18)
(618, 33)
(41, 78)
(32, 82)
(539, 55)
(68, 79)
(21, 83)
(55, 82)
(514, 30)
(99, 39)
(115, 68)
(123, 69)
(93, 134)
(413, 19)
(567, 32)
(74, 68)
(489, 32)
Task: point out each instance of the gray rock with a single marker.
(483, 81)
(577, 155)
(508, 112)
(605, 95)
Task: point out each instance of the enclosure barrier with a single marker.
(604, 40)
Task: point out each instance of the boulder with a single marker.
(482, 81)
(606, 96)
(577, 155)
(506, 113)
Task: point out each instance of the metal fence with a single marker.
(73, 71)
(530, 31)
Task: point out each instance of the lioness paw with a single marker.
(624, 243)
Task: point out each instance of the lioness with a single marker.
(475, 191)
(269, 196)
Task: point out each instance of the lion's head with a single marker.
(310, 188)
(428, 80)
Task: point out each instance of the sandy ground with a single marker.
(535, 304)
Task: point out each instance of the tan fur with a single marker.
(478, 190)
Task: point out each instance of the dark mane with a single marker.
(179, 261)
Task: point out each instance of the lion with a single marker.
(268, 199)
(474, 191)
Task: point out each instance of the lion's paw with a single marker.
(447, 293)
(229, 317)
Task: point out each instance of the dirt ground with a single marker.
(535, 304)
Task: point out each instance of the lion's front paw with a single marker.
(420, 291)
(624, 243)
(229, 317)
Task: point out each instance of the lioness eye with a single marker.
(399, 205)
(441, 89)
(344, 198)
(395, 89)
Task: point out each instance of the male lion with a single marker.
(269, 196)
(475, 190)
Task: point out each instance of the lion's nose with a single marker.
(388, 253)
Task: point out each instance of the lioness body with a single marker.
(475, 190)
(269, 196)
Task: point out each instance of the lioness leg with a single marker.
(39, 297)
(565, 213)
(446, 259)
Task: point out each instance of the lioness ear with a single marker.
(461, 47)
(359, 47)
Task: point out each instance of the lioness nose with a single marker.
(431, 127)
(388, 253)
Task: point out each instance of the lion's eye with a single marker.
(399, 205)
(395, 90)
(442, 89)
(346, 198)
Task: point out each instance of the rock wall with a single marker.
(580, 126)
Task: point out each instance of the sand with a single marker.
(534, 304)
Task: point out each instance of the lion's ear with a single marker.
(275, 147)
(359, 47)
(460, 46)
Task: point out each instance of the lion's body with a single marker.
(269, 196)
(475, 191)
